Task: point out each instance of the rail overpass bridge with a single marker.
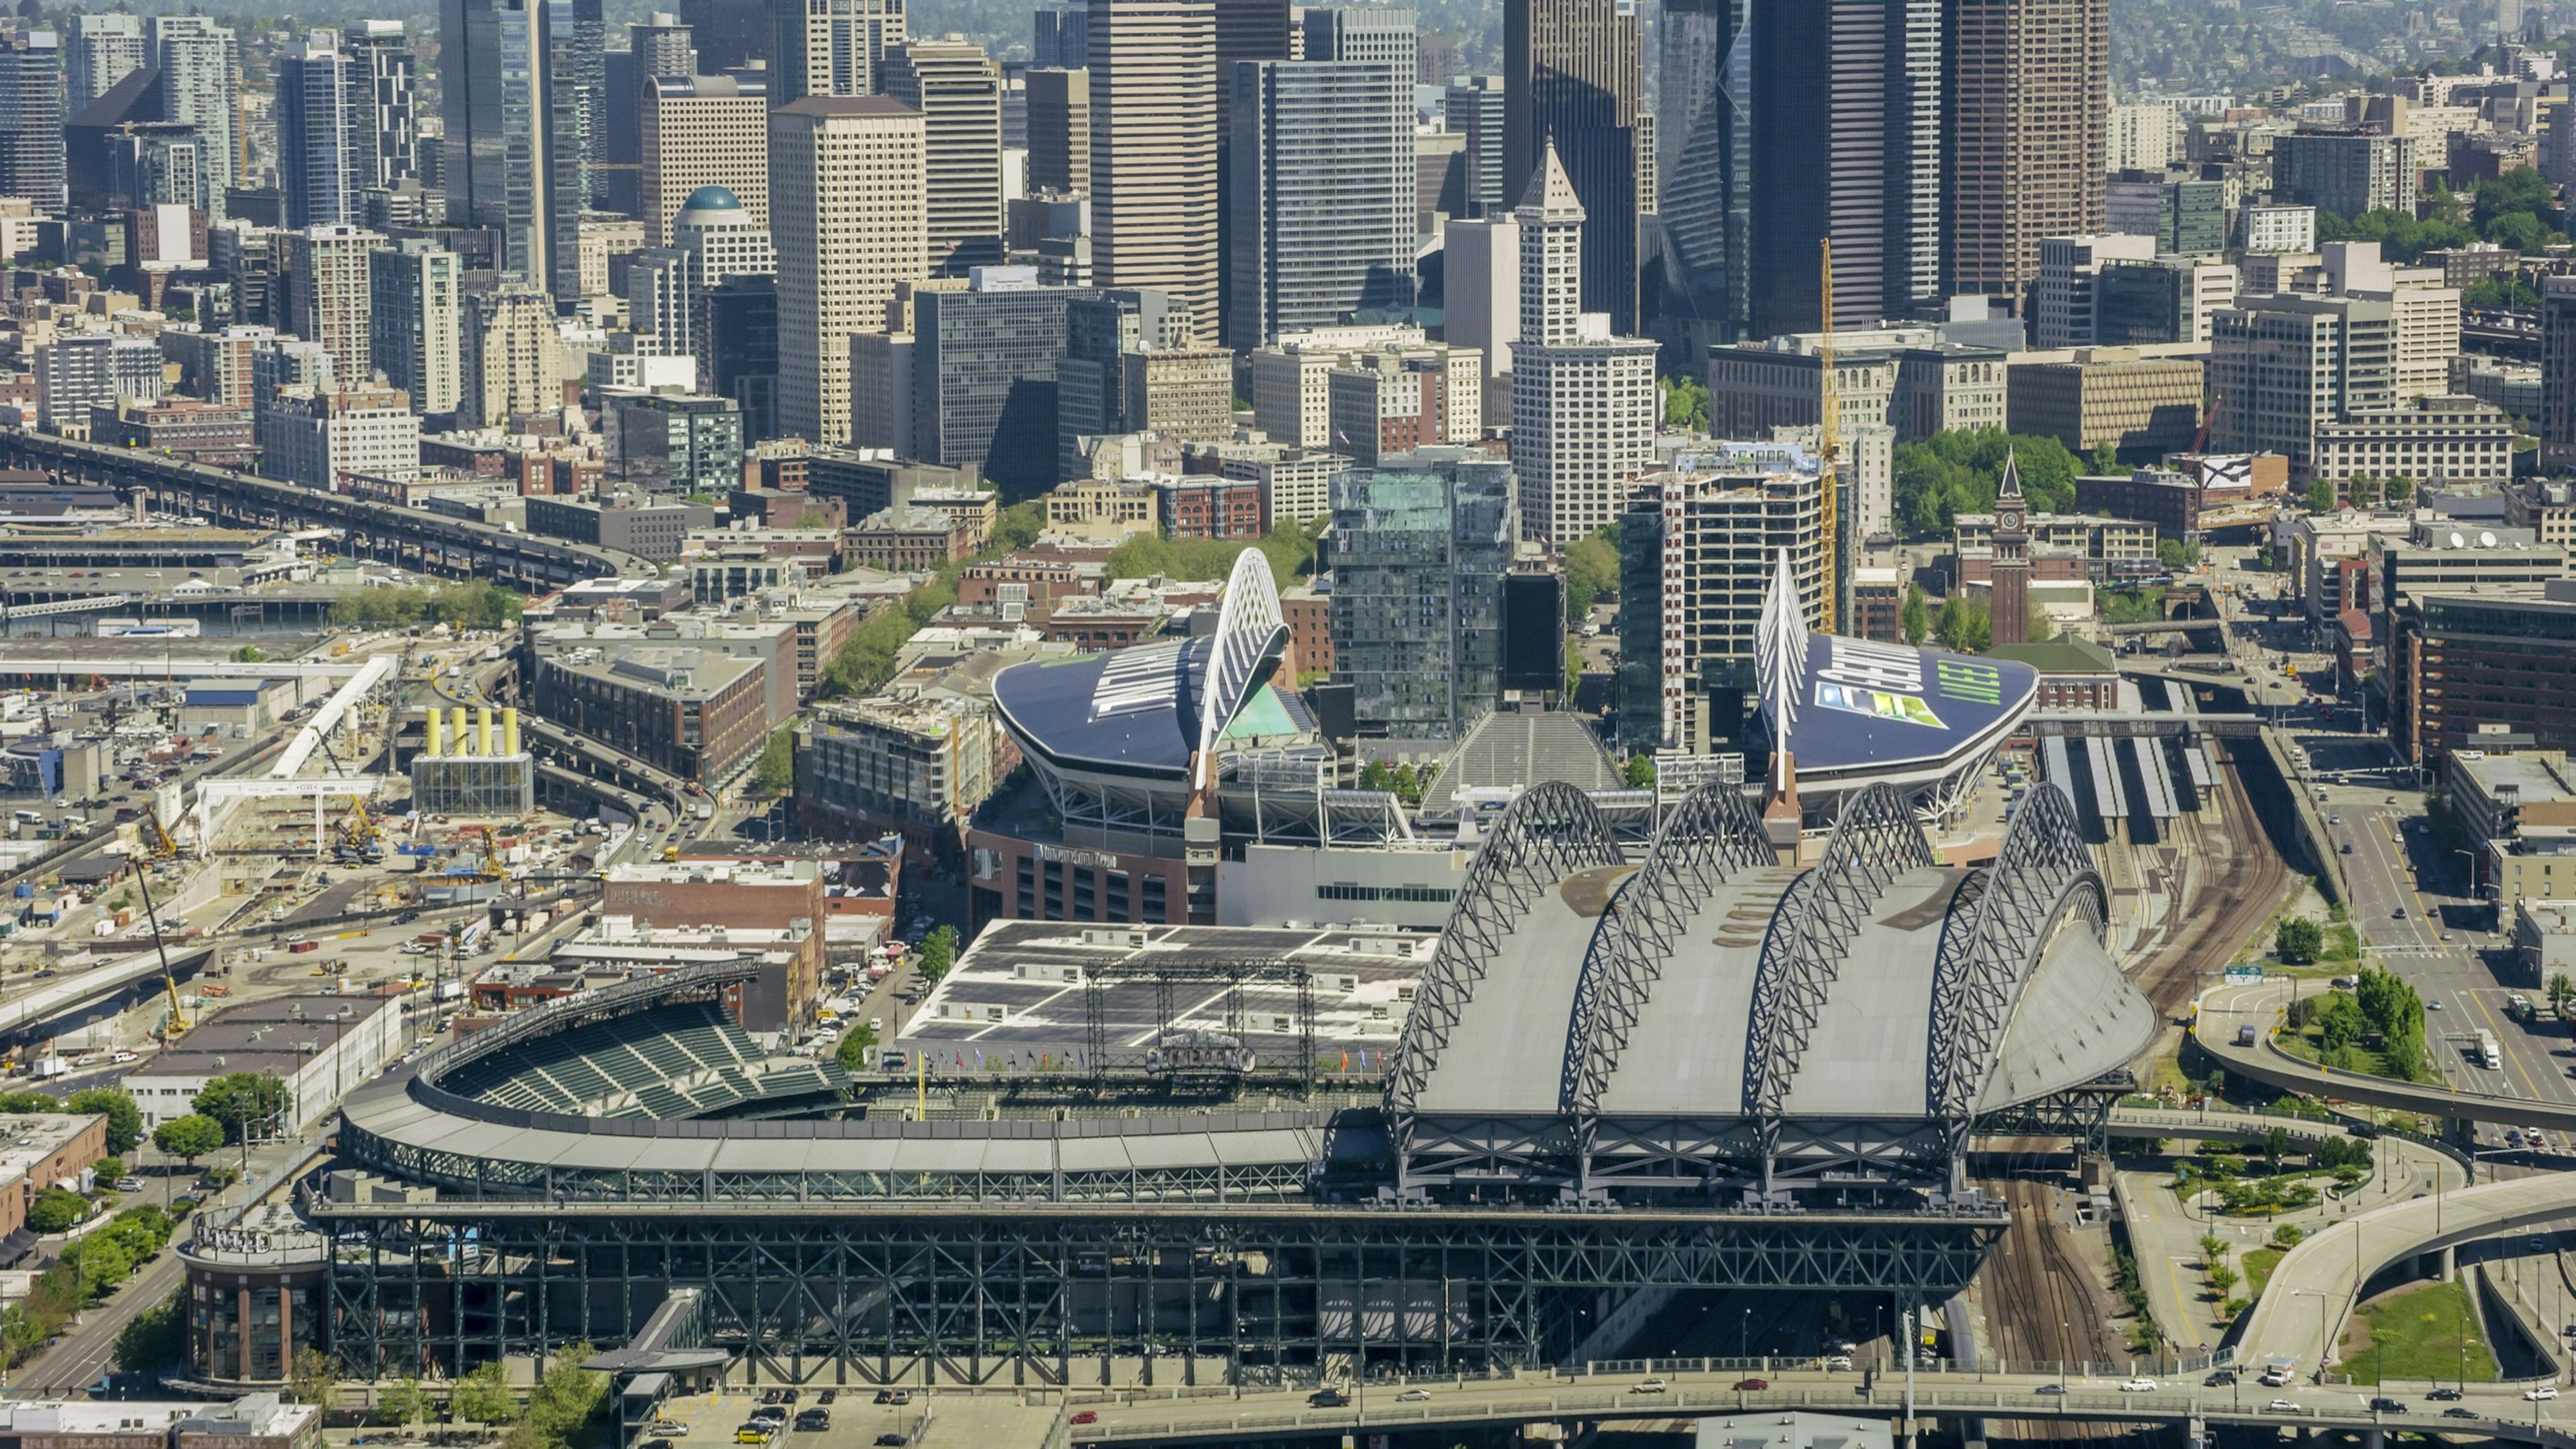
(79, 997)
(408, 537)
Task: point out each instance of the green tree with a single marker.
(401, 1403)
(105, 1261)
(56, 1209)
(775, 774)
(2399, 489)
(2276, 1146)
(20, 1104)
(857, 1040)
(1965, 626)
(1018, 526)
(1591, 574)
(1638, 773)
(1957, 471)
(2106, 459)
(154, 1338)
(189, 1138)
(1914, 621)
(2321, 496)
(1685, 404)
(2039, 628)
(250, 654)
(2297, 940)
(938, 953)
(566, 1397)
(483, 1397)
(1408, 784)
(2177, 554)
(313, 1376)
(2561, 989)
(124, 1119)
(814, 518)
(244, 1102)
(2222, 1278)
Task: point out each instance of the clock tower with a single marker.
(2009, 594)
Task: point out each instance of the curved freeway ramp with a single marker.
(2313, 1289)
(2223, 1011)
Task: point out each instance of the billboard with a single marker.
(1866, 703)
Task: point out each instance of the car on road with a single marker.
(2433, 1005)
(2219, 1380)
(666, 1426)
(1328, 1399)
(1648, 1386)
(2050, 1389)
(2398, 914)
(1838, 1363)
(2444, 1396)
(1751, 1386)
(1413, 1396)
(2346, 847)
(2382, 1404)
(751, 1434)
(129, 1184)
(657, 1444)
(2456, 1412)
(2137, 1386)
(2283, 1406)
(2540, 1394)
(1087, 1416)
(891, 1441)
(812, 1421)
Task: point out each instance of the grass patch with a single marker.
(2257, 1266)
(2362, 1060)
(2343, 943)
(2427, 1332)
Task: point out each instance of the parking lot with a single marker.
(855, 1419)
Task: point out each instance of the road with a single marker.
(1221, 1414)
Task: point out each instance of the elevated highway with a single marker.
(27, 1017)
(407, 537)
(2313, 1289)
(1199, 1415)
(2223, 1013)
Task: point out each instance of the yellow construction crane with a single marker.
(1828, 447)
(163, 847)
(178, 1023)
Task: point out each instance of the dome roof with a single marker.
(711, 198)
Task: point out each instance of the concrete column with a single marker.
(2374, 1439)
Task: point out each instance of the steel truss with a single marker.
(2081, 1114)
(1232, 975)
(1711, 838)
(1028, 1298)
(1991, 945)
(1875, 840)
(1549, 832)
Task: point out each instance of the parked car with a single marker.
(828, 1396)
(891, 1441)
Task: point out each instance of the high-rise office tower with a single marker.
(493, 99)
(1155, 203)
(658, 315)
(1362, 33)
(1583, 399)
(845, 196)
(958, 91)
(99, 51)
(1846, 143)
(1059, 131)
(382, 65)
(699, 131)
(200, 77)
(413, 321)
(741, 351)
(329, 291)
(1060, 37)
(831, 47)
(729, 34)
(508, 350)
(1573, 78)
(983, 386)
(1248, 30)
(1321, 195)
(2028, 88)
(31, 117)
(723, 242)
(1473, 107)
(522, 81)
(148, 163)
(1421, 545)
(662, 46)
(658, 47)
(1704, 160)
(319, 145)
(1100, 330)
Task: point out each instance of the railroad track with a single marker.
(2043, 1306)
(2239, 894)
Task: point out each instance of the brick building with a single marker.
(693, 713)
(1208, 507)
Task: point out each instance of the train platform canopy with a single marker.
(1149, 711)
(1855, 712)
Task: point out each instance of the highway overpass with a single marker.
(2224, 1010)
(52, 1005)
(1211, 1414)
(2313, 1289)
(408, 537)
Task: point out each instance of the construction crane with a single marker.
(178, 1023)
(1829, 446)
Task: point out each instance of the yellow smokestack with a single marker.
(456, 728)
(509, 731)
(437, 735)
(483, 731)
